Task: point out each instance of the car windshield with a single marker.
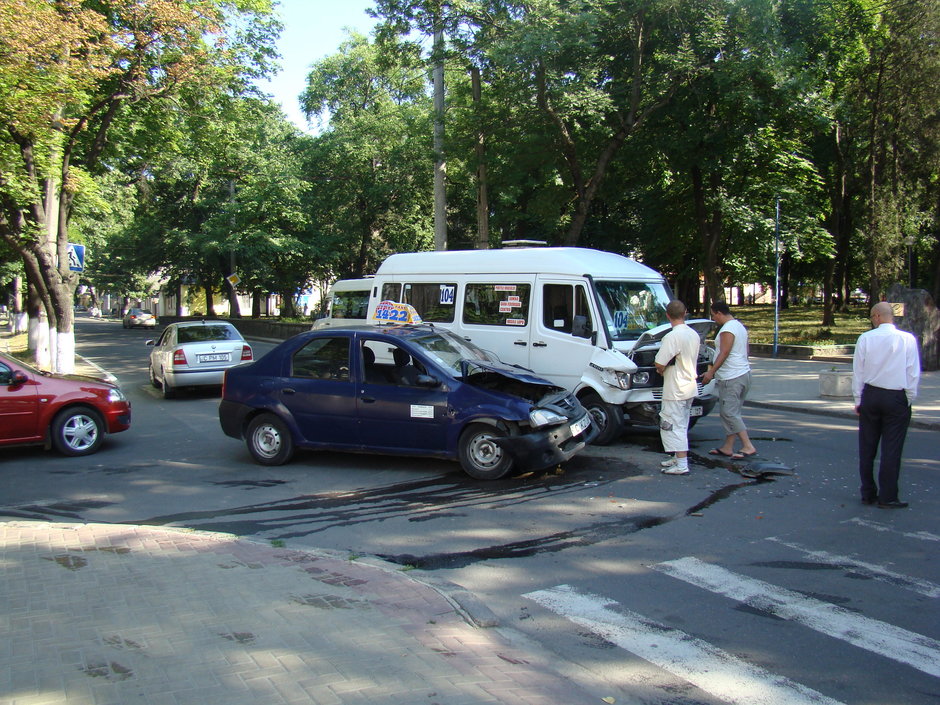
(630, 308)
(448, 350)
(204, 334)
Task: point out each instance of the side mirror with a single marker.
(579, 327)
(427, 381)
(18, 377)
(150, 342)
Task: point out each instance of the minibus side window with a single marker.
(391, 292)
(565, 309)
(435, 303)
(496, 304)
(350, 304)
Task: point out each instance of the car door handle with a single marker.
(520, 342)
(539, 344)
(368, 400)
(289, 390)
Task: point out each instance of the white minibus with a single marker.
(585, 319)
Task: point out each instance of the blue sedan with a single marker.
(408, 389)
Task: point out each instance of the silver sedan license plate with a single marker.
(215, 357)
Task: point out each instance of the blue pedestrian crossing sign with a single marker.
(76, 258)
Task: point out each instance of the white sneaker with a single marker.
(676, 470)
(670, 462)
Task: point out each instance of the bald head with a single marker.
(675, 310)
(882, 312)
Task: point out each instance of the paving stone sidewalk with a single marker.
(96, 614)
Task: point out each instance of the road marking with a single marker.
(871, 570)
(915, 650)
(921, 535)
(698, 662)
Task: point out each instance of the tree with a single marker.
(69, 70)
(370, 196)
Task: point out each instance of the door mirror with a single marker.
(18, 377)
(427, 381)
(580, 328)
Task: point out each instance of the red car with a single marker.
(70, 412)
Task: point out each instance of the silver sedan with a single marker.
(195, 354)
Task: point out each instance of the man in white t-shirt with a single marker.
(676, 361)
(733, 372)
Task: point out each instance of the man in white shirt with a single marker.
(885, 375)
(676, 361)
(733, 372)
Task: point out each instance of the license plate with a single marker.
(579, 426)
(217, 357)
(695, 411)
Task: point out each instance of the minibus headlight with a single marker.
(614, 378)
(641, 378)
(544, 417)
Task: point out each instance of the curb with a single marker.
(915, 423)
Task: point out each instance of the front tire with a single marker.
(269, 440)
(153, 378)
(607, 417)
(77, 431)
(480, 456)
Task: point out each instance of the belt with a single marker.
(881, 389)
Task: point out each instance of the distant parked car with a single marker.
(139, 318)
(406, 389)
(195, 354)
(69, 412)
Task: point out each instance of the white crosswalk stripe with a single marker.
(919, 535)
(878, 572)
(709, 668)
(918, 651)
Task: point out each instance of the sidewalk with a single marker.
(793, 385)
(101, 614)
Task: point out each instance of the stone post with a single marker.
(921, 318)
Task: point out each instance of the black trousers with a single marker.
(884, 416)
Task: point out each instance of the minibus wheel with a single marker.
(607, 417)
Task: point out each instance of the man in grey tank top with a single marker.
(733, 374)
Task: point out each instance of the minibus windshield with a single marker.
(630, 308)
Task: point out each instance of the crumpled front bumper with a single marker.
(544, 447)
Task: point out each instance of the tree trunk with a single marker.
(440, 166)
(709, 230)
(210, 303)
(234, 308)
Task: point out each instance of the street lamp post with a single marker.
(777, 278)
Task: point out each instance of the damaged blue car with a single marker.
(407, 389)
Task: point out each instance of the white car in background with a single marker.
(195, 354)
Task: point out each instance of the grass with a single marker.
(802, 325)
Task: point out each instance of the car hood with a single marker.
(653, 336)
(511, 372)
(81, 379)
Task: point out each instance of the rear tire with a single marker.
(607, 417)
(77, 431)
(480, 457)
(269, 440)
(168, 391)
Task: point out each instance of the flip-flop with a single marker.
(719, 451)
(746, 455)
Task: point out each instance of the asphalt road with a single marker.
(709, 588)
